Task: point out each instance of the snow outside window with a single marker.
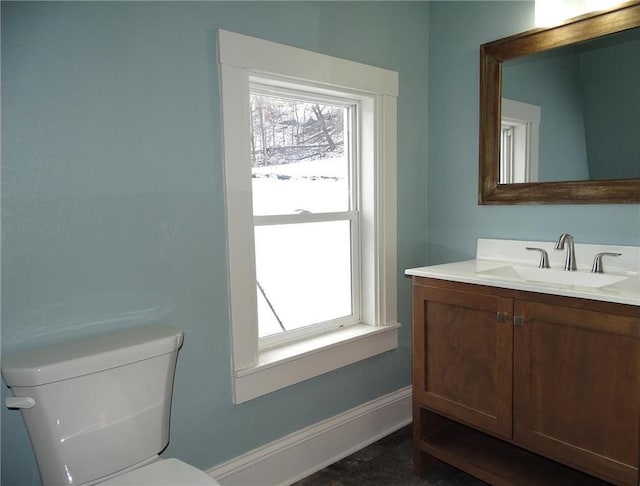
(309, 156)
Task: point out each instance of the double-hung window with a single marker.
(309, 158)
(304, 184)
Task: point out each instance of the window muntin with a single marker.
(306, 212)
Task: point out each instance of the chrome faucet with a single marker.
(570, 259)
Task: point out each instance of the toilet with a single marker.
(97, 409)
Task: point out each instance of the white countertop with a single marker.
(495, 254)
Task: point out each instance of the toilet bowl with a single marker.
(97, 409)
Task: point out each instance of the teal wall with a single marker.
(455, 220)
(113, 204)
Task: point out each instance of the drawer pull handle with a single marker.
(518, 321)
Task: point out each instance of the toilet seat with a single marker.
(165, 472)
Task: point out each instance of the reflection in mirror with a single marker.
(519, 142)
(579, 81)
(590, 102)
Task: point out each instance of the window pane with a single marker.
(298, 158)
(303, 273)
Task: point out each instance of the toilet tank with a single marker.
(99, 405)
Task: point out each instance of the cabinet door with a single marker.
(577, 388)
(463, 356)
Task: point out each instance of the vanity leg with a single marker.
(419, 465)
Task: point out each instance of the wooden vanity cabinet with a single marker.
(507, 385)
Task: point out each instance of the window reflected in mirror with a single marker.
(519, 141)
(589, 95)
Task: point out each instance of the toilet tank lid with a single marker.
(60, 361)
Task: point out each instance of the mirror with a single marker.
(581, 157)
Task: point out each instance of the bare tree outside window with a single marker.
(285, 131)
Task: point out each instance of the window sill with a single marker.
(292, 363)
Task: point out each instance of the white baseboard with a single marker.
(306, 451)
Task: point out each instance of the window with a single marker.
(304, 173)
(519, 142)
(309, 157)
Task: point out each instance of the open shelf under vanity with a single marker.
(495, 461)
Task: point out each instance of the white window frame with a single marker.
(259, 371)
(520, 124)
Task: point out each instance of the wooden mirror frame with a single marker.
(492, 55)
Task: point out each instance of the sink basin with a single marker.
(554, 276)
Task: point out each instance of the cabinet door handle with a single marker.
(518, 321)
(501, 316)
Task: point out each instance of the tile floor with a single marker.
(387, 462)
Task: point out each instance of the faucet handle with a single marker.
(597, 261)
(544, 257)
